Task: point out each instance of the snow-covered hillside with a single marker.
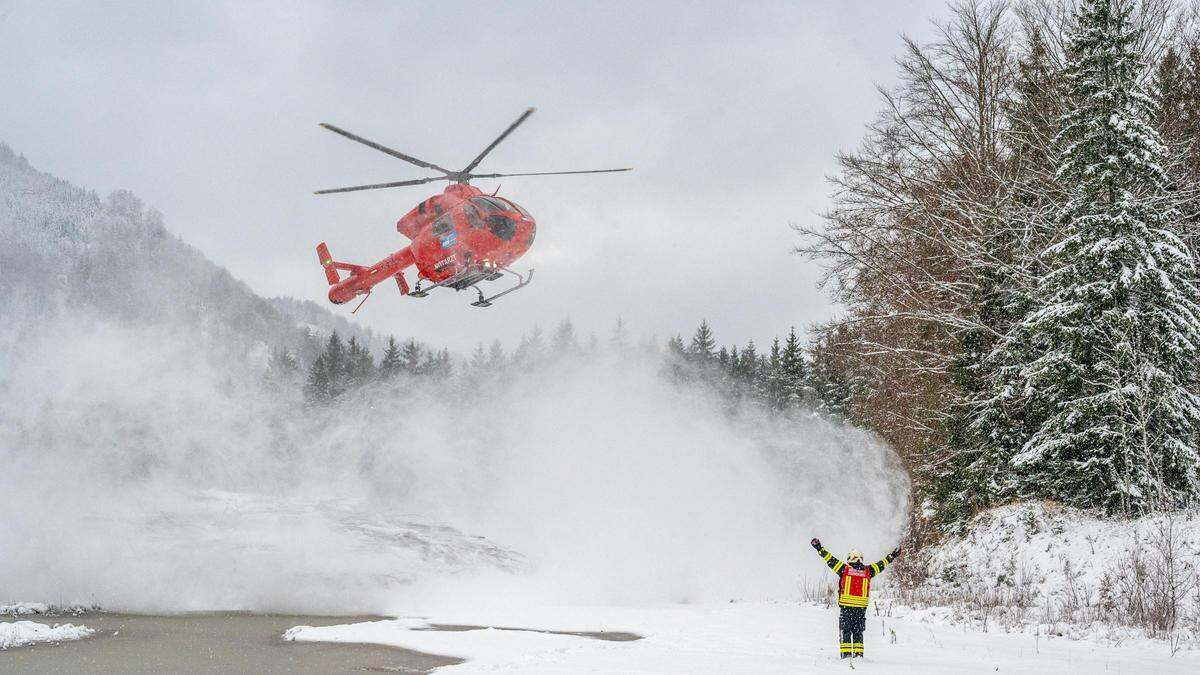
(64, 251)
(1044, 567)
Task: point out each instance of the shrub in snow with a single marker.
(1041, 566)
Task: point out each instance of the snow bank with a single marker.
(25, 608)
(21, 633)
(21, 608)
(1048, 568)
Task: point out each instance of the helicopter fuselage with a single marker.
(459, 237)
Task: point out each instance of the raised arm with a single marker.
(880, 566)
(834, 564)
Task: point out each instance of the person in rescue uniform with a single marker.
(854, 591)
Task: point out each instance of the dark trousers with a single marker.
(852, 622)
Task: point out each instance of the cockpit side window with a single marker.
(473, 219)
(502, 226)
(443, 225)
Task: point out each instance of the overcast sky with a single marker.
(730, 113)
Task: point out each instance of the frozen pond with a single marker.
(207, 643)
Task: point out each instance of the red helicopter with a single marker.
(459, 237)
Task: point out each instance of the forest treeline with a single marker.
(1015, 244)
(785, 378)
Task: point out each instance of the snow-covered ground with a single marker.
(741, 638)
(21, 633)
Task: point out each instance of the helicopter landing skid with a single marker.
(522, 282)
(469, 279)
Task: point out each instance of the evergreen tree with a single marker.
(564, 339)
(773, 377)
(792, 372)
(675, 347)
(336, 367)
(992, 424)
(318, 386)
(747, 366)
(360, 365)
(703, 347)
(1116, 328)
(282, 368)
(496, 361)
(531, 352)
(619, 340)
(411, 357)
(830, 377)
(392, 363)
(437, 365)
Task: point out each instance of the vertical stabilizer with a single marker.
(331, 273)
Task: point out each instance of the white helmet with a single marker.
(854, 557)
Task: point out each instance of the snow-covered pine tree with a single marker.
(830, 377)
(747, 369)
(722, 359)
(1116, 326)
(998, 420)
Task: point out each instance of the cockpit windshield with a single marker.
(491, 204)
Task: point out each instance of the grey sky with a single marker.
(730, 114)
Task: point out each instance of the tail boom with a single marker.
(362, 279)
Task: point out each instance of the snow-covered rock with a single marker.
(21, 633)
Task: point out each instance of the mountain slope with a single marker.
(66, 252)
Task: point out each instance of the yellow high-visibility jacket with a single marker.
(854, 581)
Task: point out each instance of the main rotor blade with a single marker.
(524, 116)
(376, 186)
(545, 173)
(383, 148)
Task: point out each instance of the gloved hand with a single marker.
(896, 553)
(816, 543)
